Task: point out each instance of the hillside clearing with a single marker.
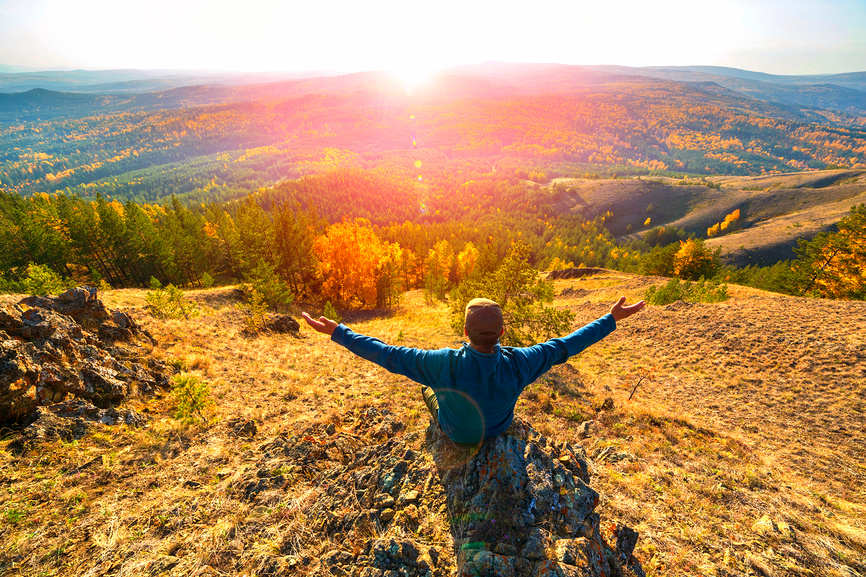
(741, 452)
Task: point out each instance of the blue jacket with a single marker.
(476, 391)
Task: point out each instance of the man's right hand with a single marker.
(620, 312)
(323, 325)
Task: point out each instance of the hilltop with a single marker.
(775, 210)
(741, 451)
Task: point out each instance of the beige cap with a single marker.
(483, 316)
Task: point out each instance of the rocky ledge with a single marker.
(71, 347)
(390, 505)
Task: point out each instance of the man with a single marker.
(471, 391)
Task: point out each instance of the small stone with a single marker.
(410, 515)
(383, 501)
(569, 551)
(584, 430)
(330, 429)
(407, 497)
(387, 514)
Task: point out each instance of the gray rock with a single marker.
(53, 349)
(517, 505)
(584, 430)
(72, 420)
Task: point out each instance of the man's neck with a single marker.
(480, 349)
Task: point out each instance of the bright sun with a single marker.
(415, 73)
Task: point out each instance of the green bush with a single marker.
(169, 302)
(255, 311)
(703, 291)
(192, 396)
(41, 280)
(331, 313)
(206, 281)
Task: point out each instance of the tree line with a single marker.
(358, 239)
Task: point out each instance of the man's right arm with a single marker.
(419, 365)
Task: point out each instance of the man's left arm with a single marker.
(556, 351)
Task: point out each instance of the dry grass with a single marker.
(740, 453)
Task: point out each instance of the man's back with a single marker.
(476, 391)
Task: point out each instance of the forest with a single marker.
(416, 189)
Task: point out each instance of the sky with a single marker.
(415, 38)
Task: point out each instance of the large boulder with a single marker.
(69, 346)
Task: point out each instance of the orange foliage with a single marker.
(350, 256)
(727, 225)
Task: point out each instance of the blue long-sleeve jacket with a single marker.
(476, 391)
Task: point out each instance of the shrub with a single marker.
(41, 280)
(331, 313)
(192, 396)
(659, 261)
(704, 291)
(694, 260)
(832, 264)
(255, 311)
(169, 302)
(206, 281)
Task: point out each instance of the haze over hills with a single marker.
(832, 91)
(548, 129)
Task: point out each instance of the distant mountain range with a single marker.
(132, 81)
(845, 93)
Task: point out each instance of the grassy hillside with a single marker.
(775, 210)
(741, 451)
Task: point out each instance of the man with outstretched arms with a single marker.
(471, 391)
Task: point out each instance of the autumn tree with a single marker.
(694, 260)
(350, 259)
(832, 264)
(729, 224)
(467, 259)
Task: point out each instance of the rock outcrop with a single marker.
(71, 420)
(390, 504)
(575, 272)
(526, 509)
(52, 349)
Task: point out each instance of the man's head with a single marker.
(483, 323)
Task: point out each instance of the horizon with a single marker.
(6, 68)
(769, 36)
